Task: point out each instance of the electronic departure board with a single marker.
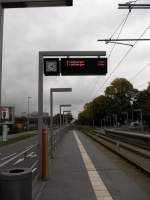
(34, 3)
(83, 66)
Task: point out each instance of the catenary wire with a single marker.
(121, 26)
(140, 71)
(122, 59)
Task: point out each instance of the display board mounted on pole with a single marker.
(75, 66)
(34, 3)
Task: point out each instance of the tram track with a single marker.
(133, 153)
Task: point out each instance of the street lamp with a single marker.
(19, 4)
(28, 112)
(51, 112)
(141, 116)
(60, 106)
(65, 111)
(127, 117)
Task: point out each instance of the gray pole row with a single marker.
(1, 46)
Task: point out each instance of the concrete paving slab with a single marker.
(70, 179)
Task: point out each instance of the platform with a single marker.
(82, 170)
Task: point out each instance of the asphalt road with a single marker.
(23, 153)
(20, 154)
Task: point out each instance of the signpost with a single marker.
(34, 3)
(52, 90)
(51, 67)
(75, 66)
(7, 116)
(23, 4)
(60, 106)
(83, 66)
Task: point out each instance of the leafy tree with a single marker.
(118, 94)
(143, 103)
(117, 100)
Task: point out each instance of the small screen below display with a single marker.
(83, 66)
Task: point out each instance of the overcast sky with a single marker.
(28, 31)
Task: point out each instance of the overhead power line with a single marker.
(140, 71)
(142, 84)
(124, 40)
(122, 59)
(121, 26)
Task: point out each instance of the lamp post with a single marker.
(141, 116)
(51, 113)
(65, 111)
(60, 106)
(28, 112)
(22, 4)
(127, 117)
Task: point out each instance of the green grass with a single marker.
(16, 139)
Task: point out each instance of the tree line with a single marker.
(121, 103)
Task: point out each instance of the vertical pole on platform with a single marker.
(45, 166)
(43, 153)
(60, 116)
(5, 133)
(40, 112)
(47, 161)
(1, 52)
(1, 46)
(51, 127)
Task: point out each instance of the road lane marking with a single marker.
(34, 164)
(4, 158)
(6, 162)
(31, 155)
(19, 161)
(29, 147)
(98, 185)
(34, 169)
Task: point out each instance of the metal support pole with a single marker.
(132, 113)
(28, 122)
(104, 123)
(60, 116)
(28, 114)
(1, 46)
(107, 121)
(51, 124)
(63, 118)
(110, 121)
(142, 121)
(1, 49)
(5, 133)
(93, 123)
(127, 117)
(141, 118)
(40, 113)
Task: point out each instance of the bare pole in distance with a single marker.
(63, 105)
(52, 90)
